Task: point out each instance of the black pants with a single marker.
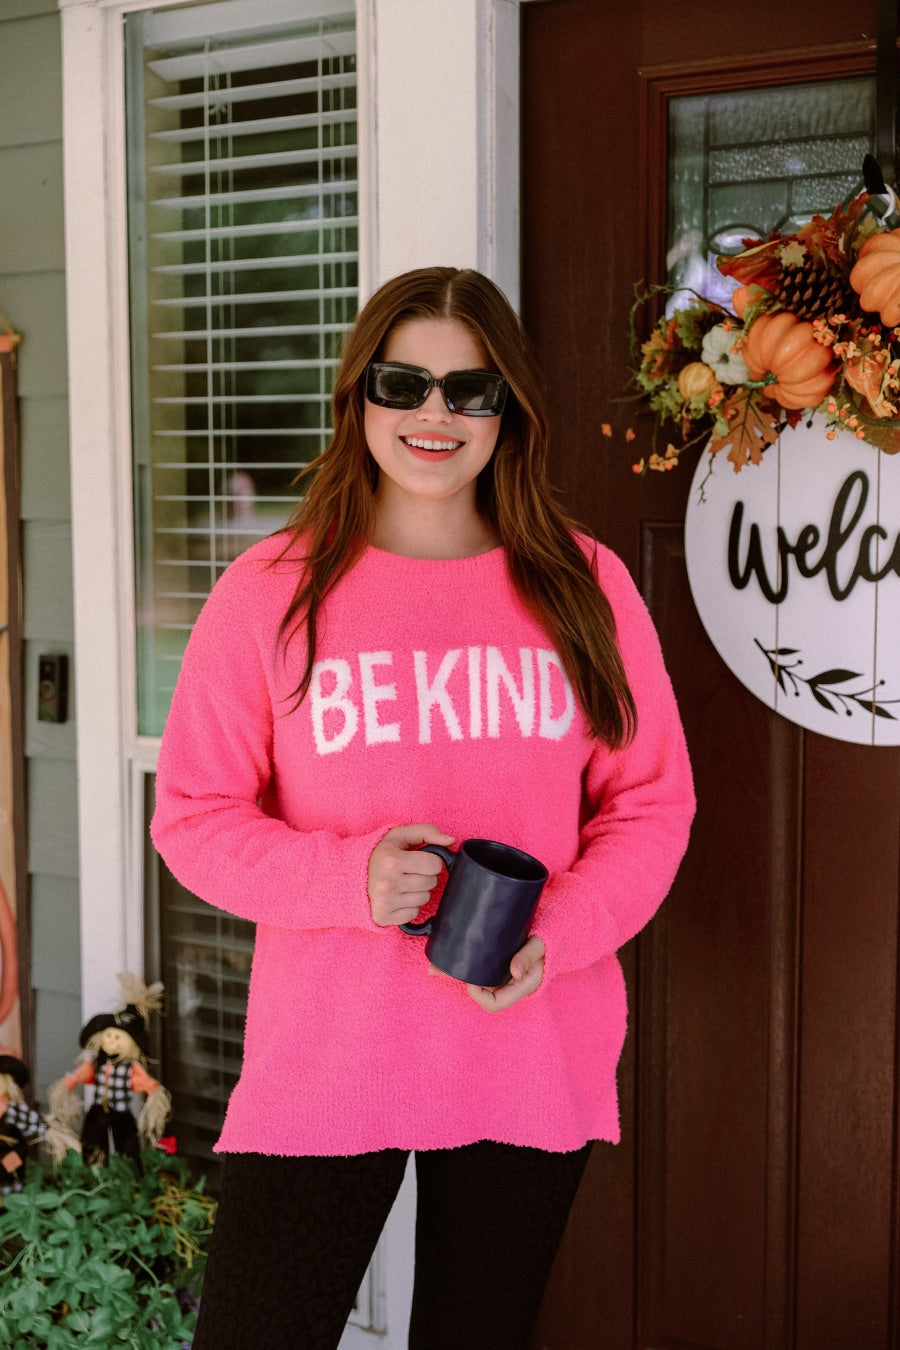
(99, 1124)
(293, 1238)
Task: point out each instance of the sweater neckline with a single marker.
(400, 561)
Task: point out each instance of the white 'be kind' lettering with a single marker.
(337, 707)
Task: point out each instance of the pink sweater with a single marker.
(435, 697)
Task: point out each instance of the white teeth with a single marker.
(420, 444)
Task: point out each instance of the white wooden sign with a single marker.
(794, 566)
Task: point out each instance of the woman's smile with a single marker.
(432, 446)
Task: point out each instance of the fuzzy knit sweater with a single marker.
(435, 697)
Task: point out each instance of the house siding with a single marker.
(32, 299)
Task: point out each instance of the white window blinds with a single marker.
(243, 247)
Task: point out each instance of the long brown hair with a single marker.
(549, 570)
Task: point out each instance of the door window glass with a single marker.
(743, 163)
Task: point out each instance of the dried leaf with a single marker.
(753, 425)
(883, 433)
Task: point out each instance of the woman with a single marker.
(430, 653)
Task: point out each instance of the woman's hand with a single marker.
(401, 876)
(527, 970)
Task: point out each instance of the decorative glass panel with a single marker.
(746, 162)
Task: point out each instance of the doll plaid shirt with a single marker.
(24, 1119)
(113, 1085)
(114, 1081)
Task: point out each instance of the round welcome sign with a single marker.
(794, 566)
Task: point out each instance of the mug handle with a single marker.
(423, 929)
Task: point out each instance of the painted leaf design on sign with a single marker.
(837, 676)
(821, 686)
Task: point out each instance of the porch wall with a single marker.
(32, 299)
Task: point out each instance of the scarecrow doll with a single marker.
(21, 1125)
(114, 1061)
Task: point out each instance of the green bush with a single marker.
(103, 1256)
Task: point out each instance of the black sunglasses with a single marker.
(474, 393)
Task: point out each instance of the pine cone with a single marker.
(812, 291)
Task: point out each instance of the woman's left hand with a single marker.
(527, 971)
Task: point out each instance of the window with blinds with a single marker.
(243, 248)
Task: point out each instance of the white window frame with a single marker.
(439, 183)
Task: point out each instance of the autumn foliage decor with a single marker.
(813, 325)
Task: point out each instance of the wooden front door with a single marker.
(753, 1202)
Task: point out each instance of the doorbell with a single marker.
(53, 687)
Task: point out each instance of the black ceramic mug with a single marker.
(485, 913)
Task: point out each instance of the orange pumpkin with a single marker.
(876, 276)
(784, 347)
(744, 296)
(740, 299)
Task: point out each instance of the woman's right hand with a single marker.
(401, 876)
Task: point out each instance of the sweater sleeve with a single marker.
(210, 824)
(639, 803)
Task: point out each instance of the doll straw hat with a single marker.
(13, 1066)
(133, 1018)
(128, 1019)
